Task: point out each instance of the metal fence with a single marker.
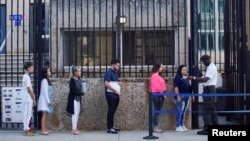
(237, 56)
(89, 33)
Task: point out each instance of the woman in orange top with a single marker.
(157, 85)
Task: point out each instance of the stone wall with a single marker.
(132, 112)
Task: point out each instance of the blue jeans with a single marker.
(157, 102)
(181, 108)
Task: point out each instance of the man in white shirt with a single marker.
(210, 79)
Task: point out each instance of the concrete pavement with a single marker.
(169, 135)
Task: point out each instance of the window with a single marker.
(139, 47)
(87, 47)
(207, 41)
(221, 41)
(142, 47)
(206, 6)
(2, 28)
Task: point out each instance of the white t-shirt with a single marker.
(26, 84)
(211, 73)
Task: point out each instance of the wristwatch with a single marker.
(194, 78)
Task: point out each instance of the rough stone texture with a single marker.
(132, 112)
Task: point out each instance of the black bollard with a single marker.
(150, 130)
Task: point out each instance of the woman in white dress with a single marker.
(45, 101)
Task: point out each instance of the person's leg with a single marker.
(77, 112)
(178, 113)
(26, 119)
(214, 116)
(109, 114)
(112, 106)
(185, 103)
(116, 103)
(74, 119)
(157, 102)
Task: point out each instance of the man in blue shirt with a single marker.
(112, 94)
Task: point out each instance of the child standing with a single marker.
(44, 102)
(29, 98)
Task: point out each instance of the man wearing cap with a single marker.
(209, 81)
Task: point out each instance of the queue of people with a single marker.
(112, 86)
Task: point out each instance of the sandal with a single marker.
(75, 132)
(44, 133)
(158, 130)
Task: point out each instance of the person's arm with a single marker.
(32, 94)
(200, 79)
(176, 90)
(27, 83)
(107, 84)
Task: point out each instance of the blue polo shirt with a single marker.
(110, 75)
(183, 86)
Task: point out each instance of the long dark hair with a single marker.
(44, 74)
(156, 67)
(179, 70)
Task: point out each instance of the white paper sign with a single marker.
(115, 85)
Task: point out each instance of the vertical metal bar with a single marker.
(118, 29)
(147, 36)
(75, 37)
(185, 32)
(57, 54)
(136, 33)
(178, 33)
(11, 83)
(142, 41)
(70, 34)
(94, 35)
(106, 40)
(81, 35)
(100, 38)
(88, 35)
(38, 64)
(194, 42)
(121, 41)
(131, 60)
(64, 36)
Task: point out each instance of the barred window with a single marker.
(92, 48)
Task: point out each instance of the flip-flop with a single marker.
(44, 133)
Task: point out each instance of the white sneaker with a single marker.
(184, 128)
(179, 129)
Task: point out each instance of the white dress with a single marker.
(45, 97)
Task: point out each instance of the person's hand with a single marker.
(34, 103)
(120, 83)
(190, 77)
(116, 92)
(179, 99)
(193, 99)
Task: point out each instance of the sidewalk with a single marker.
(169, 135)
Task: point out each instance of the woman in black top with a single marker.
(75, 98)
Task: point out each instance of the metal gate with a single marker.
(22, 39)
(237, 56)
